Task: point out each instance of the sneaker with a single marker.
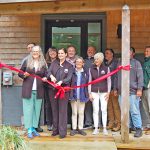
(30, 135)
(105, 132)
(96, 131)
(73, 132)
(138, 132)
(87, 126)
(35, 133)
(82, 132)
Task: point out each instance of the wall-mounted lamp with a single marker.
(119, 31)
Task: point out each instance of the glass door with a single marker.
(64, 36)
(81, 34)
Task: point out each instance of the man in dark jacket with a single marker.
(136, 85)
(114, 114)
(146, 91)
(88, 106)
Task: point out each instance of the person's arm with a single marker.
(90, 79)
(23, 68)
(89, 87)
(139, 79)
(49, 73)
(109, 81)
(69, 76)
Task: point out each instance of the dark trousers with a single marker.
(48, 109)
(88, 118)
(59, 111)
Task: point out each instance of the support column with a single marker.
(125, 74)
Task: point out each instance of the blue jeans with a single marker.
(134, 111)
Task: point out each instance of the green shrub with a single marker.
(11, 140)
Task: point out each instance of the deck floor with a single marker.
(89, 142)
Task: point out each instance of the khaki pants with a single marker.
(32, 110)
(77, 110)
(114, 114)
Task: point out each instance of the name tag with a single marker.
(65, 70)
(102, 72)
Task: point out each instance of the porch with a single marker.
(89, 142)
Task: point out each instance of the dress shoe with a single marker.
(117, 128)
(54, 134)
(82, 132)
(87, 126)
(146, 129)
(147, 132)
(62, 136)
(49, 128)
(110, 126)
(39, 129)
(73, 132)
(131, 129)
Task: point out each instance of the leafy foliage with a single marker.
(11, 140)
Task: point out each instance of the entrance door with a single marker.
(74, 30)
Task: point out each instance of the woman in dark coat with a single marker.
(33, 89)
(60, 72)
(51, 55)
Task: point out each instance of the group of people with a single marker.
(89, 104)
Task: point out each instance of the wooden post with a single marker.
(0, 97)
(125, 74)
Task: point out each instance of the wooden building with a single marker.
(60, 23)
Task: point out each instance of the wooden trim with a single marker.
(70, 6)
(21, 1)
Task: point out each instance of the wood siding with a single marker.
(18, 30)
(15, 33)
(140, 29)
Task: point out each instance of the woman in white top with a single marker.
(33, 89)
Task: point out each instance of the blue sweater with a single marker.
(79, 93)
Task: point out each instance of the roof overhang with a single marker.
(67, 6)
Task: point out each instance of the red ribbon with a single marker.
(61, 90)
